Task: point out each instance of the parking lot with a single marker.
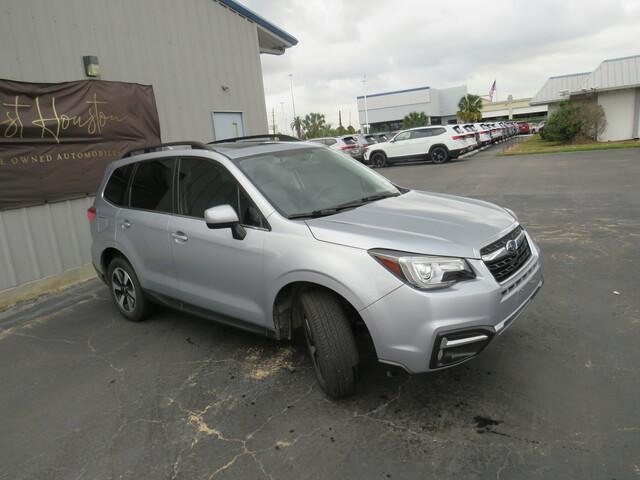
(87, 395)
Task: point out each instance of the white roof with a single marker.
(612, 74)
(616, 73)
(559, 88)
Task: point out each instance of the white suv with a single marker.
(437, 143)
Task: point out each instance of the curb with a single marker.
(45, 286)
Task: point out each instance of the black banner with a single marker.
(57, 138)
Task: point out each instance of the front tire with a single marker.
(378, 160)
(439, 155)
(330, 342)
(126, 291)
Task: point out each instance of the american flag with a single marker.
(492, 90)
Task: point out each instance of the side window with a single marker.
(420, 133)
(151, 187)
(203, 184)
(116, 189)
(402, 136)
(437, 131)
(330, 141)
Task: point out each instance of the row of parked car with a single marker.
(438, 143)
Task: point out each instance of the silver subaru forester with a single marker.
(283, 236)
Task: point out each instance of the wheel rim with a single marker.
(438, 155)
(313, 350)
(123, 290)
(378, 160)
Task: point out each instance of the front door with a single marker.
(227, 125)
(216, 271)
(400, 146)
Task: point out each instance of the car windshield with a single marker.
(313, 182)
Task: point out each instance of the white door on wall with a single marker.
(227, 125)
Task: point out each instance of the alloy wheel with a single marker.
(439, 155)
(123, 290)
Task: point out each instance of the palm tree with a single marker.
(415, 119)
(470, 108)
(296, 125)
(314, 125)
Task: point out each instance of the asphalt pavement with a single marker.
(85, 394)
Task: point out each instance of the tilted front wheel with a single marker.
(126, 291)
(330, 342)
(379, 160)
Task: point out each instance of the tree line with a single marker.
(314, 125)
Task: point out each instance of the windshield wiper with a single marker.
(343, 206)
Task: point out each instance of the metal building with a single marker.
(385, 111)
(201, 56)
(614, 85)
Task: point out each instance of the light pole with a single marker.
(366, 111)
(284, 118)
(293, 103)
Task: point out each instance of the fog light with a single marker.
(455, 347)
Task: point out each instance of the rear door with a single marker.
(215, 271)
(141, 225)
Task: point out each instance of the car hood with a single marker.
(377, 145)
(418, 222)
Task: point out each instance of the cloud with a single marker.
(409, 43)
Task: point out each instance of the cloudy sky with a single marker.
(411, 43)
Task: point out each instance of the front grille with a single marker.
(503, 267)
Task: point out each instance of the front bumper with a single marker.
(408, 325)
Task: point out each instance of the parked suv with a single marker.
(438, 144)
(347, 144)
(282, 238)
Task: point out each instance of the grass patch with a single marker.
(535, 145)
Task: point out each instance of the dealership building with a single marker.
(614, 85)
(385, 111)
(513, 109)
(202, 58)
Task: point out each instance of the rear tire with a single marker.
(126, 291)
(378, 160)
(330, 342)
(439, 155)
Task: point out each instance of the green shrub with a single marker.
(583, 119)
(564, 124)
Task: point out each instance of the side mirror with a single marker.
(224, 216)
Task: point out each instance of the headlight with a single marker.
(424, 271)
(510, 212)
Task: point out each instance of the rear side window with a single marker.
(330, 141)
(116, 189)
(349, 140)
(437, 131)
(151, 187)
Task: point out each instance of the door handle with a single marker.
(126, 224)
(179, 237)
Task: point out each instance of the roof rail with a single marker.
(266, 136)
(161, 146)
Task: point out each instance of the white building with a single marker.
(614, 85)
(385, 111)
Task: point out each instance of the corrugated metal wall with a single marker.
(39, 242)
(186, 49)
